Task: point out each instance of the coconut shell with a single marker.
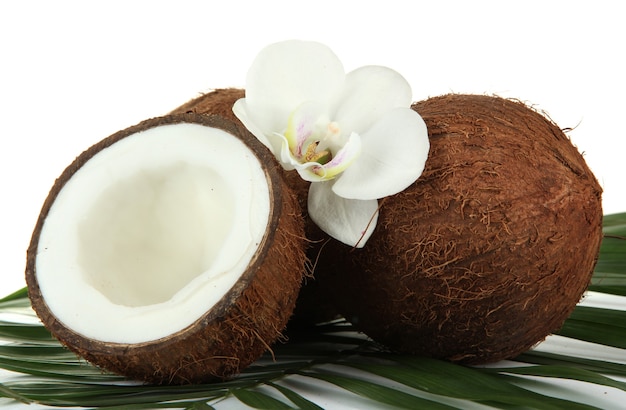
(240, 327)
(489, 251)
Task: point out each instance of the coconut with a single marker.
(488, 251)
(169, 252)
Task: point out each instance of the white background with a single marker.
(72, 73)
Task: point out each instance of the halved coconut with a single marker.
(170, 252)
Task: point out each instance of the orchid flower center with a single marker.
(318, 147)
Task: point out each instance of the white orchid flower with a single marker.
(353, 136)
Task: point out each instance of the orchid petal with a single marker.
(306, 171)
(342, 159)
(316, 172)
(310, 171)
(368, 93)
(240, 109)
(350, 221)
(289, 162)
(301, 125)
(283, 154)
(276, 143)
(286, 74)
(394, 154)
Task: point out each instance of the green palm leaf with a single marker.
(610, 272)
(596, 366)
(603, 326)
(377, 392)
(614, 224)
(295, 398)
(259, 400)
(565, 372)
(333, 355)
(449, 380)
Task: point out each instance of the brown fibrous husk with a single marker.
(488, 251)
(240, 327)
(216, 102)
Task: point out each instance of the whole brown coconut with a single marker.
(489, 251)
(112, 244)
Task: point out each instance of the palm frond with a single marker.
(603, 326)
(610, 273)
(333, 356)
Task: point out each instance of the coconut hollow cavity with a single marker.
(170, 252)
(489, 251)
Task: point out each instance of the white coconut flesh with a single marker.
(149, 234)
